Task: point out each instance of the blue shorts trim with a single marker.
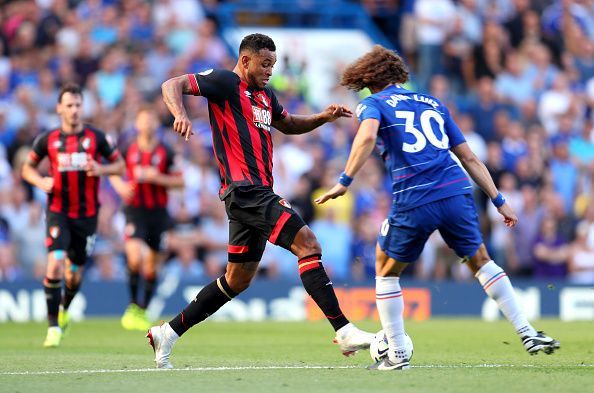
(404, 235)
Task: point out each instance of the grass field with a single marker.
(459, 355)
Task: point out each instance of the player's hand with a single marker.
(335, 111)
(145, 174)
(126, 191)
(509, 217)
(183, 126)
(47, 184)
(334, 192)
(93, 168)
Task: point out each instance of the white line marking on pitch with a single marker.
(242, 368)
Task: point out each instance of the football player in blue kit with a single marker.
(415, 134)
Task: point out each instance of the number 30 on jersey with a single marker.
(427, 134)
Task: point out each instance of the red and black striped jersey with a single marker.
(240, 119)
(74, 193)
(147, 195)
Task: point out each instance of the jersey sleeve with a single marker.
(368, 109)
(39, 149)
(214, 85)
(106, 147)
(452, 130)
(278, 112)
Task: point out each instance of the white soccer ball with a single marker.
(379, 346)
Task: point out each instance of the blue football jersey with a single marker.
(415, 136)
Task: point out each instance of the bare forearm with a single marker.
(169, 181)
(481, 176)
(114, 168)
(362, 148)
(31, 175)
(301, 124)
(172, 91)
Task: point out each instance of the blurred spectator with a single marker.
(581, 259)
(550, 251)
(9, 269)
(335, 237)
(529, 217)
(434, 20)
(564, 172)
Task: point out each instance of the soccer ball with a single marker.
(379, 346)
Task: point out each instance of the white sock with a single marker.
(170, 334)
(497, 285)
(390, 305)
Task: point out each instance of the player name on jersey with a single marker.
(396, 98)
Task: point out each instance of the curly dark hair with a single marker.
(375, 70)
(256, 42)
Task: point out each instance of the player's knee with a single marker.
(55, 264)
(306, 244)
(239, 280)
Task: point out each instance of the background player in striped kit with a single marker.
(242, 111)
(74, 151)
(150, 172)
(415, 134)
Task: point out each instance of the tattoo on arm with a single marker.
(173, 91)
(250, 266)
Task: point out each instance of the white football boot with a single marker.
(351, 339)
(162, 344)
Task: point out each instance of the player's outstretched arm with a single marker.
(363, 146)
(173, 90)
(301, 124)
(481, 176)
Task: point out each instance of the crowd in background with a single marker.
(517, 75)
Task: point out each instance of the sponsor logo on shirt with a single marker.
(262, 117)
(68, 162)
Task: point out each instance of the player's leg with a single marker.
(57, 240)
(498, 287)
(80, 249)
(289, 231)
(245, 251)
(461, 232)
(390, 306)
(52, 286)
(134, 248)
(149, 272)
(402, 239)
(156, 230)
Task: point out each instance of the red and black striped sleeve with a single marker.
(39, 149)
(215, 85)
(106, 147)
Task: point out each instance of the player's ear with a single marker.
(245, 60)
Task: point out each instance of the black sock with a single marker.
(133, 279)
(207, 302)
(319, 287)
(53, 294)
(69, 294)
(149, 290)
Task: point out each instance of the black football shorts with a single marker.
(256, 215)
(148, 225)
(75, 236)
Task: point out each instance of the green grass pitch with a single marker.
(451, 355)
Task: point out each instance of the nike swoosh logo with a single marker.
(329, 283)
(382, 352)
